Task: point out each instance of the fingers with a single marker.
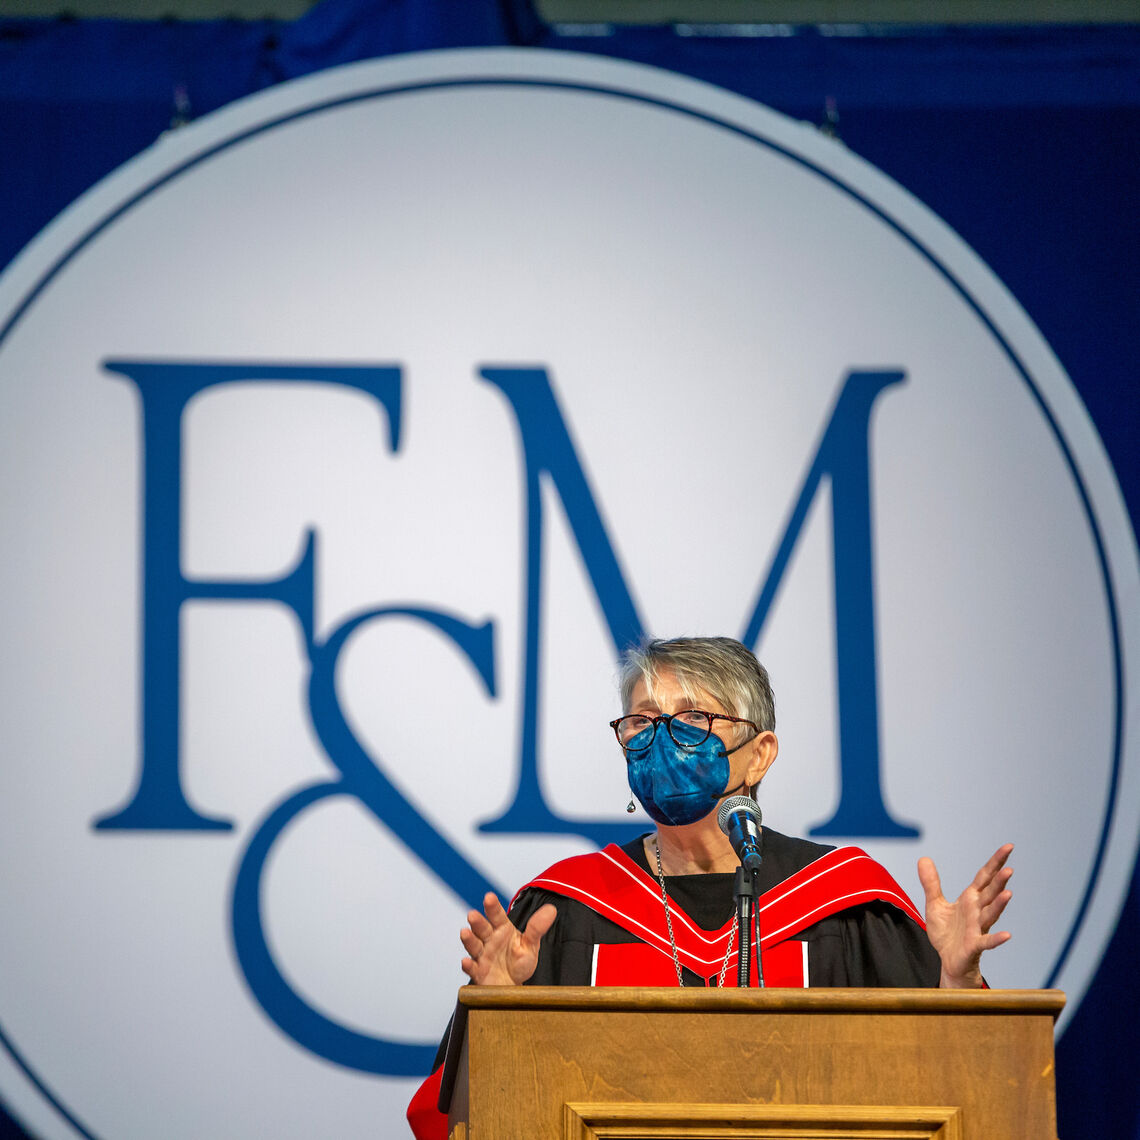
(471, 942)
(992, 941)
(928, 877)
(991, 886)
(480, 929)
(540, 922)
(485, 924)
(994, 864)
(994, 890)
(494, 911)
(991, 913)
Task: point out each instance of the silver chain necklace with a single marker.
(669, 924)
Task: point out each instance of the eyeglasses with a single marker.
(628, 728)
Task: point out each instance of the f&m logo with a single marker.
(159, 802)
(391, 405)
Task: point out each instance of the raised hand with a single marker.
(960, 931)
(500, 953)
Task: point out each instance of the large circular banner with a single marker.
(347, 437)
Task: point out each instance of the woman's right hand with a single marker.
(500, 953)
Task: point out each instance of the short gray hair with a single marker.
(719, 666)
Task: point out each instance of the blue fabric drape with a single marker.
(77, 98)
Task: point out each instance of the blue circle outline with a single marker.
(733, 128)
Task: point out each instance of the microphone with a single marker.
(739, 818)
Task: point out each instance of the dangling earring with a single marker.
(629, 807)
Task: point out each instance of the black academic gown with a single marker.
(611, 929)
(874, 943)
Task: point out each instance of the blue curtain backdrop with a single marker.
(1023, 140)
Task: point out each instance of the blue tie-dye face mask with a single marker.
(678, 785)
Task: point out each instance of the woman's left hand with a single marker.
(960, 931)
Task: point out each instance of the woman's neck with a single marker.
(695, 849)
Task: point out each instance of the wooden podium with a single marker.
(567, 1063)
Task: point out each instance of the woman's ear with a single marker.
(763, 750)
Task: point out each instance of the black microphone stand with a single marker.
(748, 925)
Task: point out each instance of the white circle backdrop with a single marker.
(692, 279)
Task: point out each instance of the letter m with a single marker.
(842, 458)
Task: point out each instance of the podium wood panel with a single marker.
(812, 1064)
(759, 1122)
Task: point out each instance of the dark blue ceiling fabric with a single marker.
(79, 97)
(1022, 139)
(902, 67)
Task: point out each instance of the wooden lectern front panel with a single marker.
(833, 1074)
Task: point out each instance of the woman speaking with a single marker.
(698, 726)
